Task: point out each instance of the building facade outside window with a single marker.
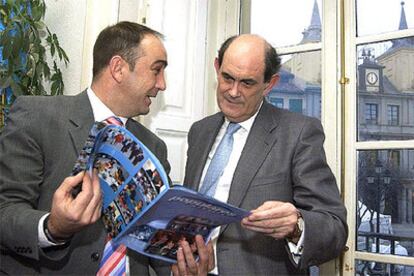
(393, 115)
(371, 113)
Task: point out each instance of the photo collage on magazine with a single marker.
(132, 179)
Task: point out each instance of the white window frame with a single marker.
(351, 145)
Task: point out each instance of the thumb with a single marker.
(71, 182)
(267, 205)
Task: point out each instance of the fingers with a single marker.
(211, 259)
(272, 209)
(203, 253)
(94, 208)
(192, 265)
(69, 215)
(70, 182)
(268, 205)
(181, 267)
(274, 232)
(274, 218)
(89, 201)
(186, 263)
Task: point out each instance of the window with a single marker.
(394, 158)
(278, 102)
(371, 113)
(393, 115)
(295, 105)
(373, 103)
(299, 43)
(374, 67)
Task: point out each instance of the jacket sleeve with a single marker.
(316, 194)
(21, 166)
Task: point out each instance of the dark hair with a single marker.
(272, 59)
(122, 39)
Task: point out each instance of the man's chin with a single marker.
(141, 112)
(232, 116)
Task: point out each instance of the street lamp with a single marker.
(379, 178)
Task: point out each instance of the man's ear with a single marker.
(216, 65)
(116, 67)
(274, 80)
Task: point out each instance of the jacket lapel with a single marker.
(80, 116)
(202, 149)
(259, 143)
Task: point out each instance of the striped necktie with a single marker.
(83, 158)
(219, 161)
(113, 260)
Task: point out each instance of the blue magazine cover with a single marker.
(140, 208)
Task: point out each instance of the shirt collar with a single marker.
(99, 109)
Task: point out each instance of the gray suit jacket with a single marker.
(283, 159)
(38, 149)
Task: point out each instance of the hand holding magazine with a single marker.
(140, 208)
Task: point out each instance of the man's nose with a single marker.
(161, 84)
(234, 90)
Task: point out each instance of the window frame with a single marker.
(351, 145)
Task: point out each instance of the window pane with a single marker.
(375, 268)
(299, 88)
(274, 21)
(393, 115)
(385, 87)
(385, 210)
(374, 17)
(371, 113)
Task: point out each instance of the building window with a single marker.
(371, 114)
(394, 158)
(393, 115)
(295, 105)
(278, 102)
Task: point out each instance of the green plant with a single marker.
(26, 41)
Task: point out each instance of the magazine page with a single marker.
(180, 214)
(140, 209)
(131, 177)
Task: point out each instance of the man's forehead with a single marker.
(152, 47)
(243, 67)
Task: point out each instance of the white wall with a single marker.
(67, 20)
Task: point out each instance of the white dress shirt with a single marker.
(224, 182)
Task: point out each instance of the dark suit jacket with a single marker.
(284, 160)
(38, 149)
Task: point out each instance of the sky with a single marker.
(282, 22)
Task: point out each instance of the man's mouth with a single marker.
(231, 100)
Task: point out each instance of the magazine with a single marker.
(140, 208)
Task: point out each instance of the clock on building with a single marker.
(372, 78)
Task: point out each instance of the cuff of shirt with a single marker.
(43, 241)
(297, 249)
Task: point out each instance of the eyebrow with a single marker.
(248, 80)
(163, 62)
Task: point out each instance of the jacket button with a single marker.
(95, 256)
